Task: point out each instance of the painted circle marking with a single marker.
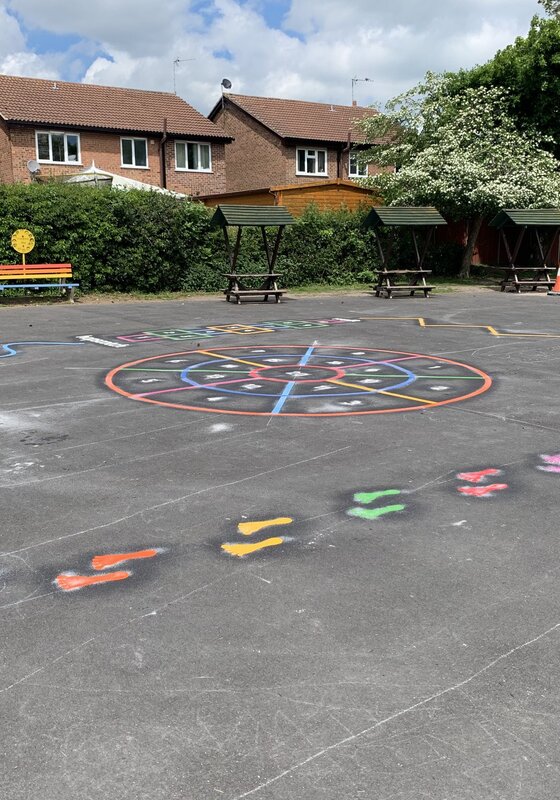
(400, 388)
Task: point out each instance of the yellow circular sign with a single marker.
(23, 241)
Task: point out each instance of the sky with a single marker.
(298, 49)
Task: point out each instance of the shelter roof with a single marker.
(530, 217)
(244, 216)
(404, 216)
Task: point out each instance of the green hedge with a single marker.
(144, 241)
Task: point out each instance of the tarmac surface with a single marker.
(277, 560)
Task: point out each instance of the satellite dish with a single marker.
(226, 83)
(33, 166)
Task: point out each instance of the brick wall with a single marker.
(258, 158)
(6, 171)
(195, 183)
(255, 158)
(105, 150)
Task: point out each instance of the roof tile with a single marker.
(300, 119)
(82, 105)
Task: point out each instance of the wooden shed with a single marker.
(325, 195)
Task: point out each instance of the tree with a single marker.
(528, 71)
(551, 7)
(460, 152)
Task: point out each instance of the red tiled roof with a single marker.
(300, 119)
(82, 105)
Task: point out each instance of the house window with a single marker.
(311, 162)
(134, 153)
(193, 156)
(56, 147)
(355, 168)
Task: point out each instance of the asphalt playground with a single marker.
(295, 551)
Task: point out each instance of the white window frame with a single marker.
(312, 152)
(354, 154)
(50, 160)
(198, 145)
(134, 139)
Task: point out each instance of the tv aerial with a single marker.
(176, 62)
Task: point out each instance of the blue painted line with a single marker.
(285, 394)
(10, 351)
(185, 376)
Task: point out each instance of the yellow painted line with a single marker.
(351, 385)
(230, 358)
(407, 397)
(241, 550)
(249, 528)
(490, 328)
(380, 391)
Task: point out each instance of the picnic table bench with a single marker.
(538, 228)
(517, 277)
(239, 287)
(38, 276)
(390, 280)
(419, 221)
(252, 284)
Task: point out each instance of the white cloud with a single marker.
(393, 44)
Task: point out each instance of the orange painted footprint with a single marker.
(112, 559)
(69, 581)
(248, 529)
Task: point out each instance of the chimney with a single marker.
(354, 102)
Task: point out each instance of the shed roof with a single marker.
(82, 105)
(405, 216)
(530, 217)
(243, 216)
(301, 119)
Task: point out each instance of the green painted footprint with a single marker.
(366, 498)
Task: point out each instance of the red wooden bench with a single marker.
(38, 276)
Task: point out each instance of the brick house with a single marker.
(288, 141)
(153, 137)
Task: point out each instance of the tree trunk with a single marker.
(474, 230)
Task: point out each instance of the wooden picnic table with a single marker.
(243, 285)
(248, 284)
(421, 222)
(391, 280)
(538, 230)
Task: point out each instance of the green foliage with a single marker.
(459, 152)
(528, 72)
(147, 242)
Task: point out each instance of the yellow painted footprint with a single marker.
(248, 529)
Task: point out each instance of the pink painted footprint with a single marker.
(552, 463)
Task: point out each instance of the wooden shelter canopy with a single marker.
(262, 217)
(251, 216)
(527, 217)
(404, 216)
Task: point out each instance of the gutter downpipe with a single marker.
(163, 172)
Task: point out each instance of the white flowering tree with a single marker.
(460, 153)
